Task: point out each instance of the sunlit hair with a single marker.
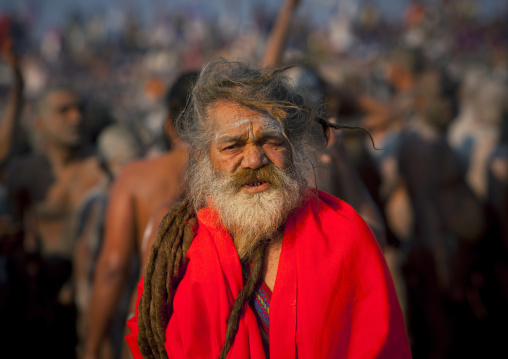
(265, 90)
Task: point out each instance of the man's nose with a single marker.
(254, 157)
(75, 115)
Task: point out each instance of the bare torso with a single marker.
(152, 183)
(47, 198)
(53, 220)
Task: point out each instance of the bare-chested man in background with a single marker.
(44, 194)
(139, 190)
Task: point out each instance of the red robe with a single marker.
(333, 295)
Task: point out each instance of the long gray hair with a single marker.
(266, 90)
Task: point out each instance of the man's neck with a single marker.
(60, 156)
(271, 261)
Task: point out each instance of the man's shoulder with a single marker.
(134, 172)
(23, 171)
(90, 165)
(341, 208)
(338, 219)
(140, 168)
(28, 179)
(29, 162)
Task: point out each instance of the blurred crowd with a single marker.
(90, 161)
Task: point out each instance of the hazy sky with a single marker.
(53, 11)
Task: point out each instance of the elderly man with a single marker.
(257, 263)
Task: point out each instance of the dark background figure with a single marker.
(45, 191)
(447, 220)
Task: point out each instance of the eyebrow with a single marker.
(68, 106)
(236, 138)
(268, 134)
(272, 134)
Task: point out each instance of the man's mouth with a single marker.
(256, 186)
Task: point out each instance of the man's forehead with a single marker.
(229, 117)
(59, 96)
(55, 99)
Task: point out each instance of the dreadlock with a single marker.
(164, 270)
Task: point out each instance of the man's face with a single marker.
(61, 119)
(249, 176)
(245, 141)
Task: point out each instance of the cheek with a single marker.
(224, 163)
(228, 164)
(279, 157)
(53, 126)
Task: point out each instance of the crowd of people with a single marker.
(90, 160)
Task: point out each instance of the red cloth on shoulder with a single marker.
(333, 296)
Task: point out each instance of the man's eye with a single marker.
(231, 147)
(274, 143)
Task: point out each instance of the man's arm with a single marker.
(113, 264)
(10, 122)
(279, 34)
(150, 233)
(149, 237)
(11, 224)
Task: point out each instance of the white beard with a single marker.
(252, 218)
